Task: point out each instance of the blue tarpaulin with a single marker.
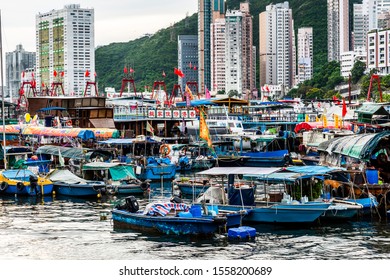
(195, 103)
(86, 135)
(51, 108)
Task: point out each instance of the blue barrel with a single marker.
(196, 211)
(372, 176)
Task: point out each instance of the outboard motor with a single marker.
(131, 204)
(34, 183)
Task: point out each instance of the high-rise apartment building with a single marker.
(375, 9)
(66, 46)
(187, 59)
(276, 45)
(338, 28)
(207, 10)
(248, 76)
(218, 45)
(305, 54)
(378, 51)
(233, 52)
(17, 64)
(360, 25)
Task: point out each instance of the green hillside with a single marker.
(149, 56)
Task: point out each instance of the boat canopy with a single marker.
(372, 109)
(117, 171)
(196, 103)
(52, 109)
(359, 146)
(128, 141)
(255, 171)
(314, 169)
(66, 152)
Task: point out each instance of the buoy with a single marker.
(242, 233)
(54, 193)
(99, 195)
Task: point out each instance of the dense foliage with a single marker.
(149, 56)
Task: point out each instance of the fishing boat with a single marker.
(287, 211)
(165, 218)
(119, 178)
(155, 168)
(68, 184)
(190, 187)
(24, 182)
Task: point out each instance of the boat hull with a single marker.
(80, 190)
(46, 189)
(170, 225)
(165, 172)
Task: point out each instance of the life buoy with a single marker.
(55, 123)
(165, 149)
(20, 186)
(3, 186)
(69, 123)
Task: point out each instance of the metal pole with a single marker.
(2, 96)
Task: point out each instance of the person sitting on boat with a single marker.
(175, 130)
(383, 166)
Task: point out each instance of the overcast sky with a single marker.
(115, 20)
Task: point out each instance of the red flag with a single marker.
(125, 70)
(43, 84)
(344, 110)
(62, 74)
(55, 73)
(190, 65)
(195, 68)
(95, 74)
(23, 74)
(32, 74)
(131, 70)
(87, 73)
(178, 72)
(163, 74)
(267, 88)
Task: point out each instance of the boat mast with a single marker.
(2, 96)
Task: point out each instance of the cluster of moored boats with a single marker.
(273, 172)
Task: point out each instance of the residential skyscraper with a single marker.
(248, 76)
(207, 9)
(187, 58)
(338, 28)
(66, 46)
(218, 45)
(276, 46)
(305, 54)
(16, 63)
(233, 52)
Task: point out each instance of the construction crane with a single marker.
(377, 78)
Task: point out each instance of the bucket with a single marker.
(213, 208)
(196, 211)
(372, 176)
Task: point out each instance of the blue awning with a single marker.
(313, 170)
(195, 103)
(51, 108)
(86, 135)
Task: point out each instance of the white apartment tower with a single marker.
(276, 46)
(338, 28)
(378, 52)
(305, 54)
(375, 9)
(233, 51)
(360, 25)
(218, 45)
(66, 46)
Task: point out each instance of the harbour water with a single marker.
(62, 228)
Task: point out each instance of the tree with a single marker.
(357, 71)
(233, 93)
(314, 93)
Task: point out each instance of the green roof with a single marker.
(372, 109)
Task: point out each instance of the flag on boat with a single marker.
(125, 70)
(60, 158)
(87, 73)
(55, 73)
(131, 70)
(189, 93)
(208, 95)
(149, 128)
(344, 110)
(204, 130)
(163, 74)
